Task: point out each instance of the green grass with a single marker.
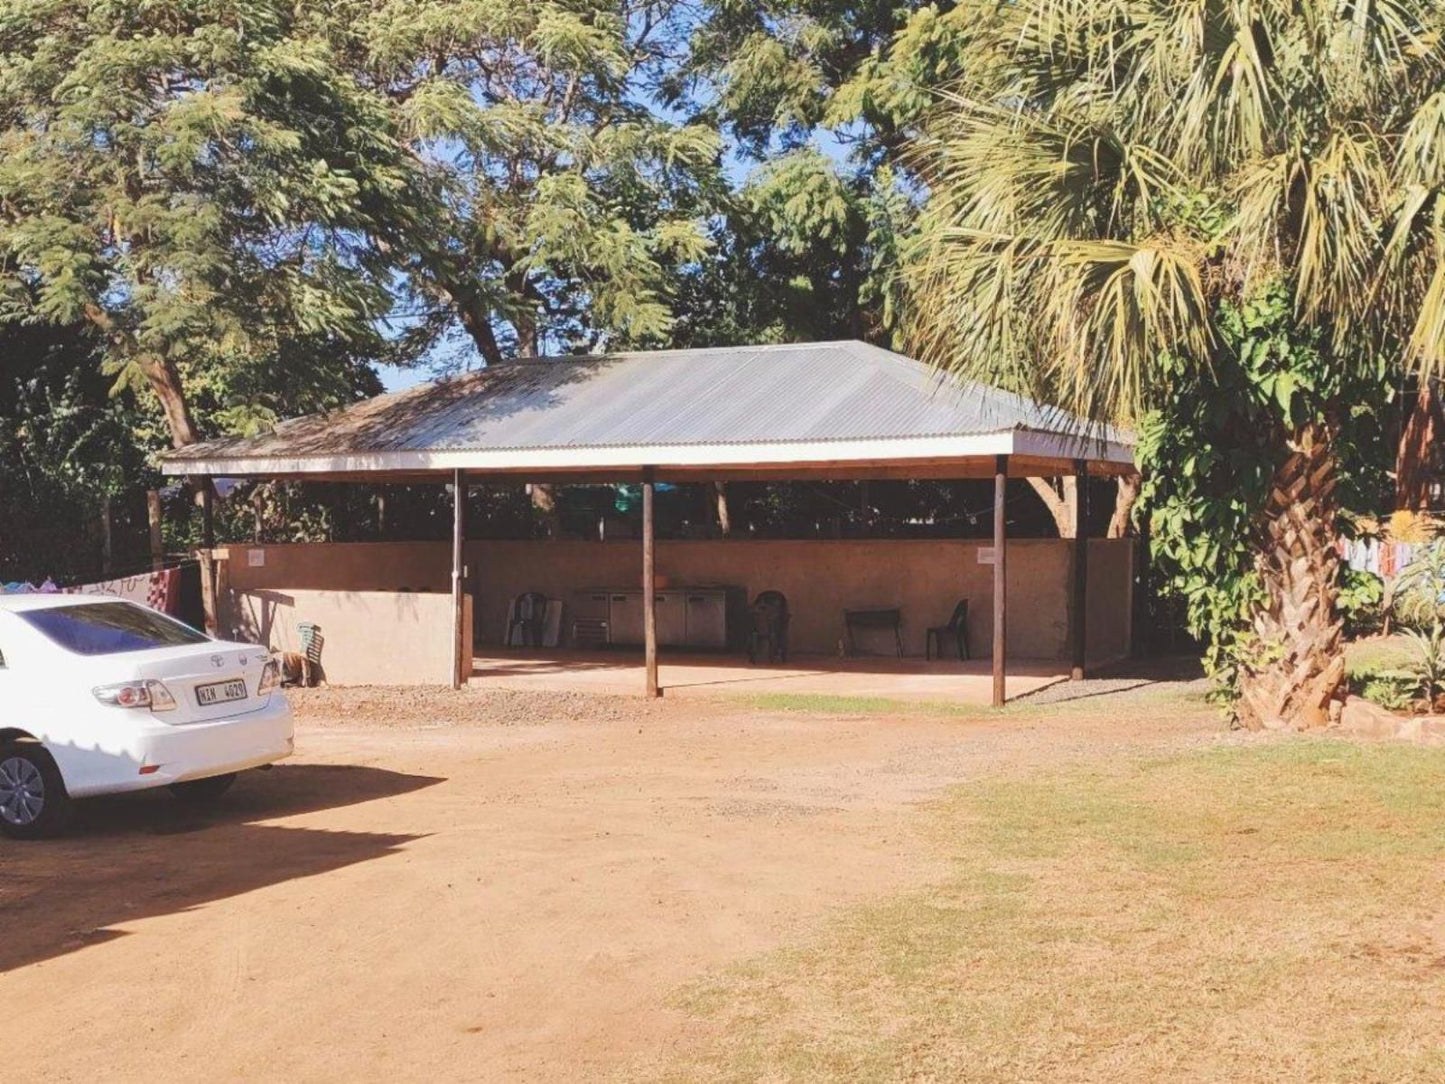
(1160, 696)
(1378, 653)
(828, 704)
(1255, 912)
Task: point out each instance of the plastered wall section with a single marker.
(385, 608)
(374, 633)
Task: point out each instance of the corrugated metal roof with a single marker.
(735, 395)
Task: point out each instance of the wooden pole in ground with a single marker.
(1000, 598)
(460, 665)
(1078, 611)
(649, 584)
(153, 518)
(208, 513)
(208, 559)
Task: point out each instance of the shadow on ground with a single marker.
(147, 855)
(1182, 672)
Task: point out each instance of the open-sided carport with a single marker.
(814, 411)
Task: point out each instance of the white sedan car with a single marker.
(100, 696)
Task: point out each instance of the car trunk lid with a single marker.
(212, 681)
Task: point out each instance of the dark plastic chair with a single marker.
(957, 628)
(770, 627)
(528, 613)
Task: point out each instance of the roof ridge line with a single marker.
(537, 359)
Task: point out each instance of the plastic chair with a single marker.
(529, 610)
(770, 627)
(957, 628)
(311, 644)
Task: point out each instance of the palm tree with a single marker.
(1107, 173)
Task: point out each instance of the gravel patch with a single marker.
(1061, 692)
(424, 706)
(1140, 677)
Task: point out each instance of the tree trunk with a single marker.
(527, 342)
(1059, 500)
(1124, 499)
(724, 515)
(107, 540)
(476, 320)
(258, 515)
(165, 380)
(160, 373)
(544, 502)
(1298, 660)
(479, 327)
(1423, 427)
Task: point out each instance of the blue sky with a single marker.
(737, 168)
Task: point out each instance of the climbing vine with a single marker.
(1210, 448)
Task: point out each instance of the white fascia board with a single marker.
(1044, 445)
(899, 449)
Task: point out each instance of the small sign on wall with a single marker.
(256, 558)
(985, 555)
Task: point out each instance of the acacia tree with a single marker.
(195, 180)
(568, 202)
(1112, 183)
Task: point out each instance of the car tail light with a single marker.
(270, 678)
(136, 694)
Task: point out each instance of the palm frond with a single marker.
(1426, 346)
(1420, 157)
(1342, 195)
(1116, 308)
(1107, 171)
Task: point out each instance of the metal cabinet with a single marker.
(707, 619)
(685, 618)
(624, 617)
(672, 620)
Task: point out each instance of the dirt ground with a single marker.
(484, 886)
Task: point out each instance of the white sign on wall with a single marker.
(256, 558)
(985, 555)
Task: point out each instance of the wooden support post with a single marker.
(153, 518)
(649, 584)
(460, 664)
(1078, 608)
(1000, 580)
(208, 513)
(210, 605)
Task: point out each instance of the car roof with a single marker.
(38, 601)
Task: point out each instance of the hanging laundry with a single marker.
(159, 590)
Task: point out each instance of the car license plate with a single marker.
(220, 691)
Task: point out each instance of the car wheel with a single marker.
(33, 800)
(203, 791)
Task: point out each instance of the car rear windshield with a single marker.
(109, 628)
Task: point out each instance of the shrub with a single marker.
(1361, 602)
(1407, 526)
(1418, 600)
(1392, 692)
(1427, 669)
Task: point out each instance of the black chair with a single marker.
(529, 611)
(957, 628)
(770, 627)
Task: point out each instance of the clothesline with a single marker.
(1384, 559)
(157, 588)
